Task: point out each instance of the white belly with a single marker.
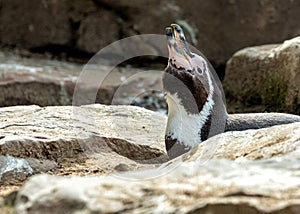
(183, 126)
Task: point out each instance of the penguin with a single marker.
(196, 105)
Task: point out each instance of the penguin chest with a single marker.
(182, 126)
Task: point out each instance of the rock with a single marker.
(258, 172)
(36, 81)
(250, 145)
(218, 28)
(13, 170)
(86, 140)
(265, 78)
(58, 132)
(44, 82)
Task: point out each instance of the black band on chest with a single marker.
(187, 87)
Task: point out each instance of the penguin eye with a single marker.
(178, 28)
(199, 70)
(180, 31)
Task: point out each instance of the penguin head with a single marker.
(180, 55)
(188, 68)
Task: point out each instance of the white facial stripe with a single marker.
(186, 127)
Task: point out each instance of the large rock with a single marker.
(78, 140)
(265, 78)
(255, 171)
(25, 81)
(218, 28)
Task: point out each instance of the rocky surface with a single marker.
(25, 81)
(255, 171)
(87, 139)
(218, 28)
(271, 74)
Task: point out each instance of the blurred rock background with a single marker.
(74, 30)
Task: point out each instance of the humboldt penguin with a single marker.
(196, 106)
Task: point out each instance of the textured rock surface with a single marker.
(57, 132)
(43, 82)
(83, 140)
(265, 77)
(218, 28)
(259, 175)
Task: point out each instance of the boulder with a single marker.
(254, 171)
(43, 82)
(82, 140)
(264, 78)
(25, 81)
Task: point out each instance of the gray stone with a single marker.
(14, 170)
(264, 78)
(258, 172)
(11, 168)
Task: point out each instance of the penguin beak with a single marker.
(178, 32)
(172, 44)
(178, 47)
(177, 41)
